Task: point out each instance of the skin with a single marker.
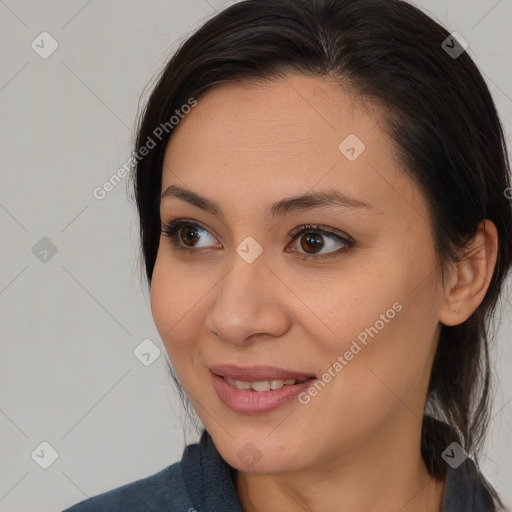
(356, 444)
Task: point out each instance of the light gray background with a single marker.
(69, 325)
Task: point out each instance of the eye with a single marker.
(315, 241)
(185, 234)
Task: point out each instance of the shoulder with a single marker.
(164, 490)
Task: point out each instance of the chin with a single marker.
(260, 455)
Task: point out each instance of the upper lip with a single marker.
(257, 373)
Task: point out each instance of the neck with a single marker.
(387, 473)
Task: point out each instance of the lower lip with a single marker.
(256, 402)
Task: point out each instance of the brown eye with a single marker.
(185, 234)
(312, 240)
(188, 234)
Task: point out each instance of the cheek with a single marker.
(385, 364)
(176, 302)
(341, 307)
(382, 331)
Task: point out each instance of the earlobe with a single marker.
(470, 277)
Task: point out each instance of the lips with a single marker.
(258, 373)
(261, 401)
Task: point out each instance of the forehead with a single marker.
(248, 141)
(290, 117)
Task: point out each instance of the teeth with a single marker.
(261, 385)
(278, 383)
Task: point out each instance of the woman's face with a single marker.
(359, 316)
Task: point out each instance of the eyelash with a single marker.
(171, 229)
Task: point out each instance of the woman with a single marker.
(322, 189)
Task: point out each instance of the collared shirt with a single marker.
(204, 482)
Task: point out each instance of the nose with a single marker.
(249, 303)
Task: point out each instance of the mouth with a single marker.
(257, 389)
(262, 385)
(259, 378)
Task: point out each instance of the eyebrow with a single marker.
(318, 199)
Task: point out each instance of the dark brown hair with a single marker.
(443, 125)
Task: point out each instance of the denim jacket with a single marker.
(204, 482)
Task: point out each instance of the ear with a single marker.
(469, 278)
